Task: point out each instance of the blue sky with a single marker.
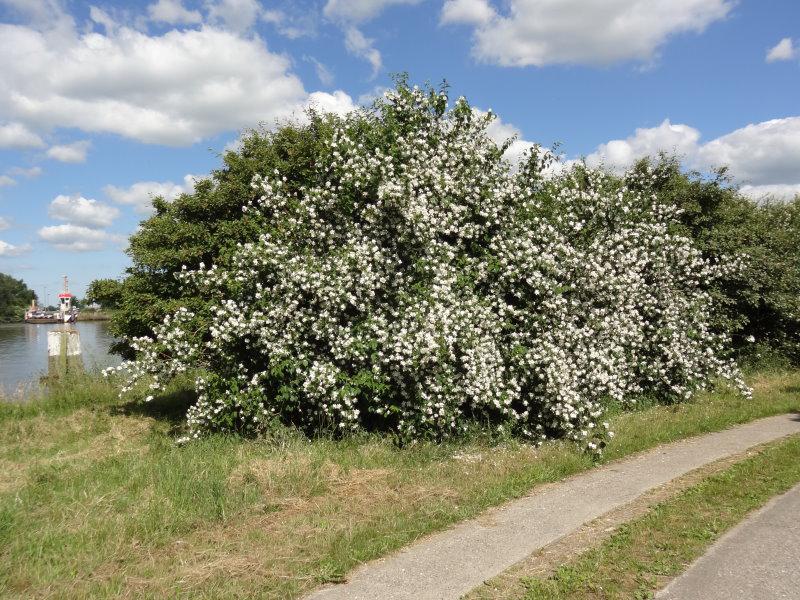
(104, 104)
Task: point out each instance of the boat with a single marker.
(41, 317)
(65, 314)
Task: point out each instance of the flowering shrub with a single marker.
(418, 283)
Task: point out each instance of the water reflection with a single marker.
(23, 351)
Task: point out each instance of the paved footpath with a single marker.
(757, 560)
(449, 564)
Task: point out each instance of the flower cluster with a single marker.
(418, 283)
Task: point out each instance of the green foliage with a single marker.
(206, 225)
(106, 292)
(15, 297)
(759, 305)
(418, 283)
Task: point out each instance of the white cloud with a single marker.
(760, 153)
(367, 98)
(4, 223)
(594, 32)
(470, 12)
(82, 211)
(338, 102)
(295, 25)
(618, 155)
(76, 238)
(500, 132)
(173, 12)
(17, 135)
(7, 249)
(44, 13)
(70, 153)
(101, 17)
(350, 13)
(140, 195)
(175, 88)
(6, 181)
(323, 73)
(363, 47)
(764, 157)
(783, 50)
(359, 11)
(234, 15)
(779, 191)
(28, 173)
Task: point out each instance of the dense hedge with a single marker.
(396, 273)
(759, 304)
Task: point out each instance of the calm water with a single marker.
(23, 351)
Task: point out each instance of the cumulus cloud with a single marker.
(593, 32)
(175, 88)
(500, 132)
(468, 12)
(338, 102)
(173, 12)
(6, 181)
(82, 211)
(783, 50)
(140, 195)
(4, 223)
(764, 157)
(77, 238)
(18, 136)
(7, 250)
(760, 153)
(70, 153)
(618, 155)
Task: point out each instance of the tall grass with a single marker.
(96, 499)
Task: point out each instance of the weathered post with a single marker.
(64, 352)
(64, 345)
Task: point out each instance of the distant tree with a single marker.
(105, 292)
(15, 297)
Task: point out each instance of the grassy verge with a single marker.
(95, 315)
(96, 499)
(643, 555)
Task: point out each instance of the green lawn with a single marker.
(96, 500)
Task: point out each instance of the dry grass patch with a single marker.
(108, 506)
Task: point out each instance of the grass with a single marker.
(96, 500)
(643, 555)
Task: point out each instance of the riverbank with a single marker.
(84, 315)
(95, 315)
(23, 353)
(97, 500)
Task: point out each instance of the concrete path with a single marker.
(451, 563)
(757, 560)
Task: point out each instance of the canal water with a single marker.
(23, 352)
